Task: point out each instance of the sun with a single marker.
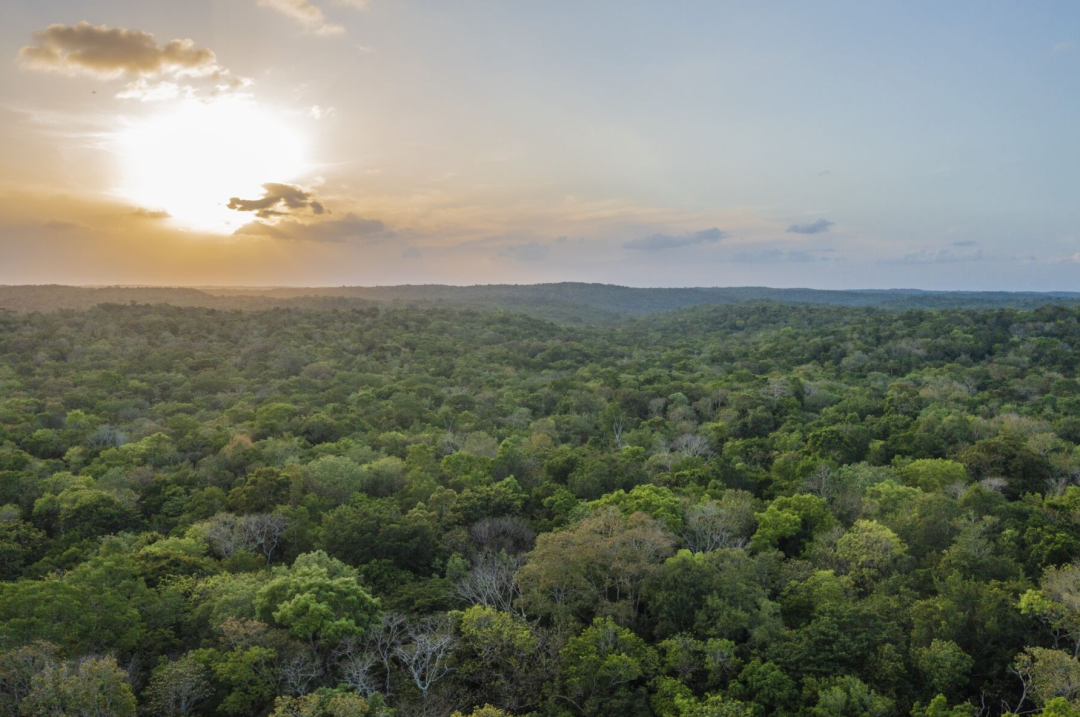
(190, 161)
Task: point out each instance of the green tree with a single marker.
(317, 599)
(606, 669)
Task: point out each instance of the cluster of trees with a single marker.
(744, 511)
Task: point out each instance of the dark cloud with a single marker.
(775, 256)
(150, 213)
(664, 242)
(110, 52)
(819, 227)
(279, 200)
(348, 228)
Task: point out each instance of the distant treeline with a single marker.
(565, 302)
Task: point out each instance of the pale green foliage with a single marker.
(934, 474)
(655, 501)
(92, 687)
(317, 598)
(869, 551)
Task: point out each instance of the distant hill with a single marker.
(567, 302)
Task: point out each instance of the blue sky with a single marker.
(826, 144)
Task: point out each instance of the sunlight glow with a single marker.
(192, 160)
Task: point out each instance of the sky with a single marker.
(826, 144)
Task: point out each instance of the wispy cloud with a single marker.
(307, 14)
(149, 213)
(348, 228)
(817, 227)
(665, 242)
(1064, 46)
(939, 256)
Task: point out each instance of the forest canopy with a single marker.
(744, 510)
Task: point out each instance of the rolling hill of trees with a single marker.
(565, 302)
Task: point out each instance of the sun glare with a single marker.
(192, 160)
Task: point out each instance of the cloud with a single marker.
(664, 242)
(150, 213)
(938, 256)
(410, 252)
(279, 200)
(965, 242)
(112, 52)
(145, 91)
(1064, 46)
(348, 228)
(307, 14)
(819, 227)
(775, 256)
(529, 251)
(318, 112)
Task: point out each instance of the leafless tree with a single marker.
(821, 481)
(298, 671)
(225, 534)
(663, 454)
(656, 406)
(106, 436)
(425, 653)
(727, 523)
(507, 532)
(383, 639)
(491, 582)
(707, 406)
(618, 428)
(177, 688)
(358, 671)
(690, 445)
(263, 532)
(452, 441)
(259, 532)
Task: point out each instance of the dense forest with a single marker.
(345, 510)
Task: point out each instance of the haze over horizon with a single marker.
(303, 143)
